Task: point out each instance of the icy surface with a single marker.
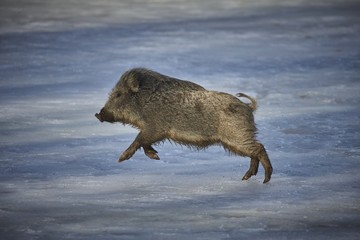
(59, 176)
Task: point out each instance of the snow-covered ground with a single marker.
(59, 176)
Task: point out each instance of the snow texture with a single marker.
(59, 176)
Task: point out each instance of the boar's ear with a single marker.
(133, 84)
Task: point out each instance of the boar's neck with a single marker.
(133, 119)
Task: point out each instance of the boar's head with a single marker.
(123, 102)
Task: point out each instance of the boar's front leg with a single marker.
(129, 152)
(151, 152)
(143, 139)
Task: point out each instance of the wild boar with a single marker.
(162, 107)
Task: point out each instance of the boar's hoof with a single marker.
(254, 166)
(152, 155)
(266, 180)
(268, 172)
(247, 176)
(124, 156)
(151, 152)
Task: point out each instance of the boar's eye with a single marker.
(118, 94)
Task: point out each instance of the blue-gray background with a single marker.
(59, 176)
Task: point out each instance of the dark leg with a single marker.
(143, 139)
(129, 152)
(265, 162)
(257, 153)
(151, 152)
(254, 166)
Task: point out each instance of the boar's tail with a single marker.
(253, 103)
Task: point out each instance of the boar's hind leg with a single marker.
(254, 166)
(261, 154)
(150, 152)
(257, 153)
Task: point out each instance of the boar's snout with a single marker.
(98, 116)
(105, 116)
